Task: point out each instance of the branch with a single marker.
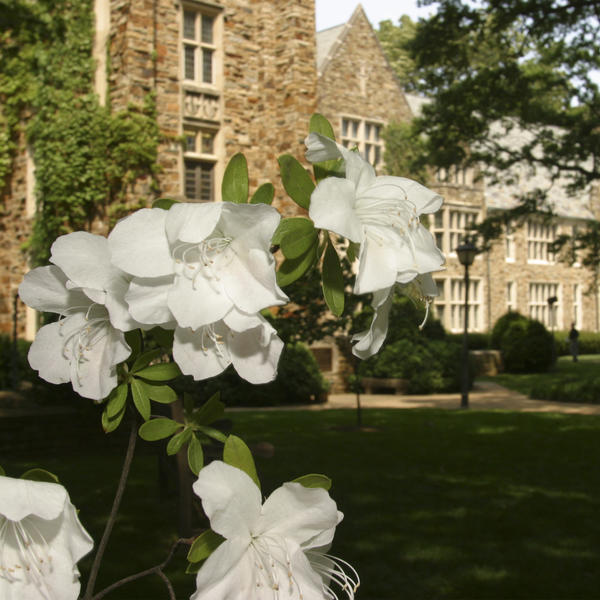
(158, 570)
(115, 508)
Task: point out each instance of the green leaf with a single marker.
(333, 281)
(296, 180)
(352, 251)
(301, 235)
(164, 203)
(134, 340)
(188, 404)
(145, 359)
(159, 393)
(213, 433)
(235, 180)
(237, 454)
(204, 545)
(109, 424)
(177, 441)
(158, 429)
(116, 401)
(140, 398)
(319, 124)
(293, 268)
(163, 337)
(264, 194)
(40, 475)
(160, 372)
(195, 455)
(212, 410)
(314, 480)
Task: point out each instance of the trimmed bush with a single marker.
(568, 390)
(477, 341)
(589, 342)
(298, 381)
(502, 325)
(526, 346)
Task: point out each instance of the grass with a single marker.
(588, 366)
(438, 504)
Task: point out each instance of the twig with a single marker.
(158, 570)
(113, 513)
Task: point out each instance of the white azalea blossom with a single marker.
(87, 342)
(367, 343)
(249, 342)
(379, 213)
(41, 541)
(272, 551)
(194, 263)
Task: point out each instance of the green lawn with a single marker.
(587, 366)
(438, 504)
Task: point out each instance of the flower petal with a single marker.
(198, 302)
(368, 342)
(231, 500)
(192, 222)
(320, 148)
(44, 288)
(249, 225)
(378, 265)
(198, 355)
(138, 244)
(424, 199)
(147, 298)
(46, 354)
(22, 497)
(427, 255)
(76, 252)
(332, 207)
(228, 573)
(299, 514)
(239, 321)
(255, 353)
(249, 280)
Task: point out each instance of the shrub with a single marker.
(298, 381)
(568, 390)
(526, 346)
(477, 341)
(589, 342)
(12, 370)
(502, 325)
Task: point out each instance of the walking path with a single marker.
(485, 395)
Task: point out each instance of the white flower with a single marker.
(87, 342)
(41, 540)
(271, 551)
(196, 262)
(379, 213)
(368, 342)
(249, 342)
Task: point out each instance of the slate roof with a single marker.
(325, 41)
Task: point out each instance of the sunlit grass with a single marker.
(438, 504)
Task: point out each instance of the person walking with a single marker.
(574, 342)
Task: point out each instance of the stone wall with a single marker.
(356, 79)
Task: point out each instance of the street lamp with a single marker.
(466, 255)
(552, 310)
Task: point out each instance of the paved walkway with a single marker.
(484, 396)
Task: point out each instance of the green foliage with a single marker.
(585, 390)
(394, 40)
(85, 156)
(299, 381)
(426, 359)
(333, 281)
(404, 147)
(501, 326)
(589, 342)
(296, 180)
(14, 368)
(526, 347)
(237, 454)
(314, 480)
(234, 187)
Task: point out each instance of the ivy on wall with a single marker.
(86, 156)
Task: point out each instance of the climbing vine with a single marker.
(86, 156)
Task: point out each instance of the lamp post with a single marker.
(466, 255)
(551, 302)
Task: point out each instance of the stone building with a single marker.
(244, 76)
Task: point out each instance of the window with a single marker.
(366, 136)
(438, 229)
(459, 222)
(539, 238)
(198, 47)
(199, 165)
(511, 296)
(510, 244)
(454, 175)
(577, 306)
(539, 308)
(450, 304)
